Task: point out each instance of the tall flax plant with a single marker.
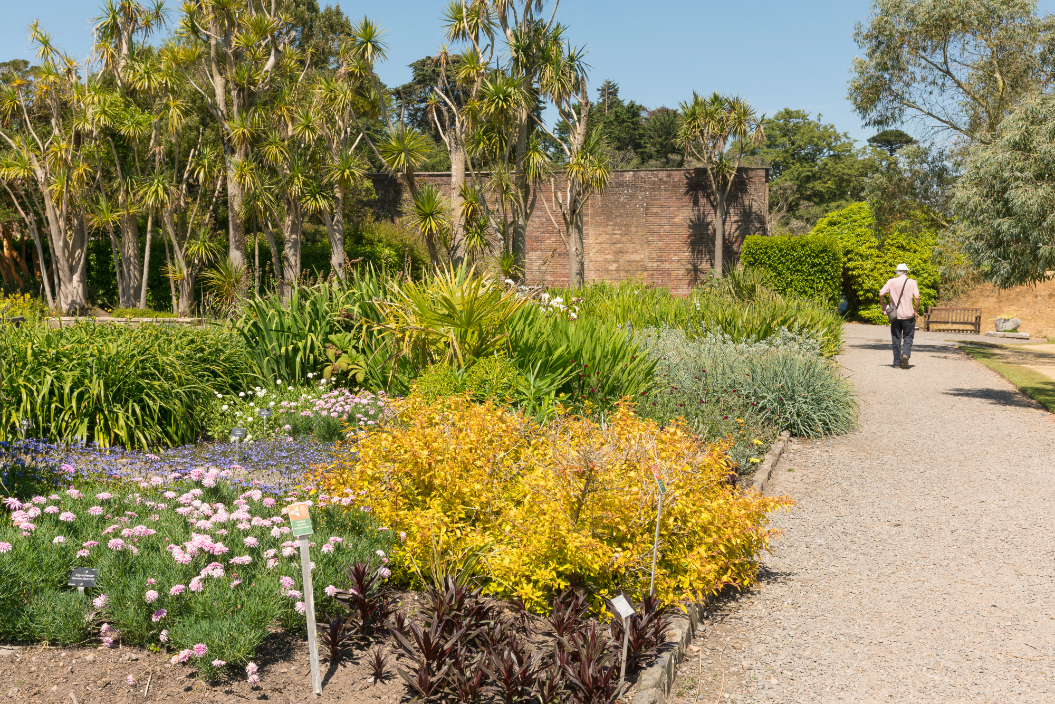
(452, 317)
(641, 305)
(133, 386)
(598, 361)
(288, 338)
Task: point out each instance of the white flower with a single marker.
(219, 395)
(311, 375)
(225, 406)
(241, 394)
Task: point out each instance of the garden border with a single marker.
(655, 683)
(63, 322)
(769, 462)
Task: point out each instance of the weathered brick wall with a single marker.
(653, 225)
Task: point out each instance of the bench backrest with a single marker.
(954, 315)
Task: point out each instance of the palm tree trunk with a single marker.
(457, 150)
(129, 249)
(335, 232)
(146, 262)
(719, 233)
(291, 229)
(235, 226)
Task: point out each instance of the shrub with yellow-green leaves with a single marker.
(546, 505)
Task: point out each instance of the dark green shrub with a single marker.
(809, 266)
(137, 386)
(58, 618)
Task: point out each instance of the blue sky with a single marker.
(775, 53)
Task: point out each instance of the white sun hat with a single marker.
(902, 267)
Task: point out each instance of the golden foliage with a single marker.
(546, 504)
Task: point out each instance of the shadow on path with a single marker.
(998, 397)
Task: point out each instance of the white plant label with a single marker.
(622, 606)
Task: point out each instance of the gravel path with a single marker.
(917, 565)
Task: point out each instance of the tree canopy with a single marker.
(1006, 197)
(814, 168)
(957, 66)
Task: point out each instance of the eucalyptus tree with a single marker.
(241, 49)
(1006, 197)
(958, 66)
(42, 123)
(585, 168)
(719, 131)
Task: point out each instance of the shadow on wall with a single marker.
(742, 209)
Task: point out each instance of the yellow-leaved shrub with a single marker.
(544, 505)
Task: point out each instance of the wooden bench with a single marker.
(962, 319)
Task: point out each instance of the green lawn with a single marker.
(1013, 365)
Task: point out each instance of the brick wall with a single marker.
(653, 225)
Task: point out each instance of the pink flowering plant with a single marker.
(187, 560)
(318, 409)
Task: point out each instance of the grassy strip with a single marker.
(1033, 384)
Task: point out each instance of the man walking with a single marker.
(902, 307)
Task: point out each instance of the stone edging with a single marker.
(653, 685)
(761, 477)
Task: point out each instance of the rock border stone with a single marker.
(1012, 335)
(769, 462)
(655, 683)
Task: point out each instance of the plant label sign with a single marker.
(263, 412)
(623, 606)
(239, 433)
(625, 611)
(300, 520)
(659, 481)
(83, 577)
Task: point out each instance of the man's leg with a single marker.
(895, 338)
(908, 332)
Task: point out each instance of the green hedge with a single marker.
(870, 261)
(809, 266)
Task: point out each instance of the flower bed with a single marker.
(572, 501)
(318, 410)
(187, 560)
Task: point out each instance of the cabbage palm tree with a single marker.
(585, 169)
(719, 131)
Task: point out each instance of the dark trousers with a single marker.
(901, 334)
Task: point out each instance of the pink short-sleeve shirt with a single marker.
(905, 308)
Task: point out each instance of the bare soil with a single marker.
(1033, 305)
(76, 675)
